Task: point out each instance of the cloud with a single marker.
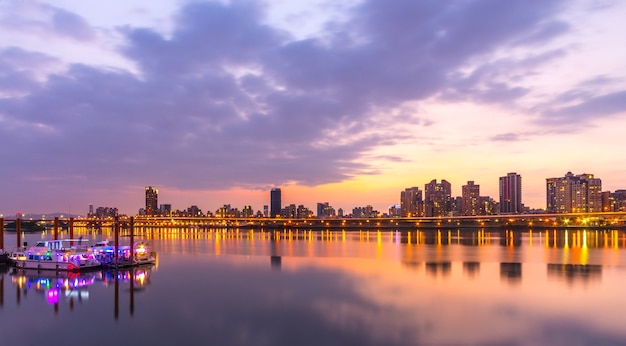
(506, 137)
(45, 21)
(227, 101)
(592, 107)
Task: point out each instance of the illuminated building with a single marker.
(437, 198)
(470, 199)
(574, 194)
(275, 202)
(325, 210)
(152, 197)
(511, 194)
(395, 211)
(362, 212)
(291, 212)
(194, 211)
(165, 209)
(488, 206)
(247, 211)
(411, 203)
(102, 212)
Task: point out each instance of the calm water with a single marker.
(334, 288)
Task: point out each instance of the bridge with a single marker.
(538, 221)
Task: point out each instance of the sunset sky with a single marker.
(346, 102)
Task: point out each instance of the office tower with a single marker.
(574, 194)
(437, 198)
(470, 199)
(152, 195)
(266, 212)
(511, 194)
(90, 210)
(275, 202)
(411, 204)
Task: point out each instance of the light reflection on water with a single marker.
(335, 288)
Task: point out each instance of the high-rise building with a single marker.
(470, 199)
(91, 210)
(437, 198)
(511, 194)
(275, 202)
(411, 204)
(574, 194)
(152, 197)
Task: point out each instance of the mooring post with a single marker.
(1, 233)
(18, 229)
(56, 228)
(117, 237)
(132, 239)
(72, 230)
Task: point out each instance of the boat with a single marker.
(105, 252)
(4, 257)
(57, 255)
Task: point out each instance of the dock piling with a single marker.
(71, 230)
(56, 228)
(117, 238)
(18, 229)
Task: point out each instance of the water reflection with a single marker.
(511, 272)
(437, 269)
(297, 287)
(471, 269)
(573, 273)
(72, 288)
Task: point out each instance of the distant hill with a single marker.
(25, 226)
(49, 216)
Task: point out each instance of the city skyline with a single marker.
(568, 194)
(219, 102)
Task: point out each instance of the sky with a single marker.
(351, 102)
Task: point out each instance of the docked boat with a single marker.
(105, 253)
(57, 255)
(4, 257)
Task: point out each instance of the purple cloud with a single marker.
(45, 20)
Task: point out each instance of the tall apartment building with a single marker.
(152, 200)
(470, 199)
(437, 198)
(574, 194)
(511, 194)
(411, 203)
